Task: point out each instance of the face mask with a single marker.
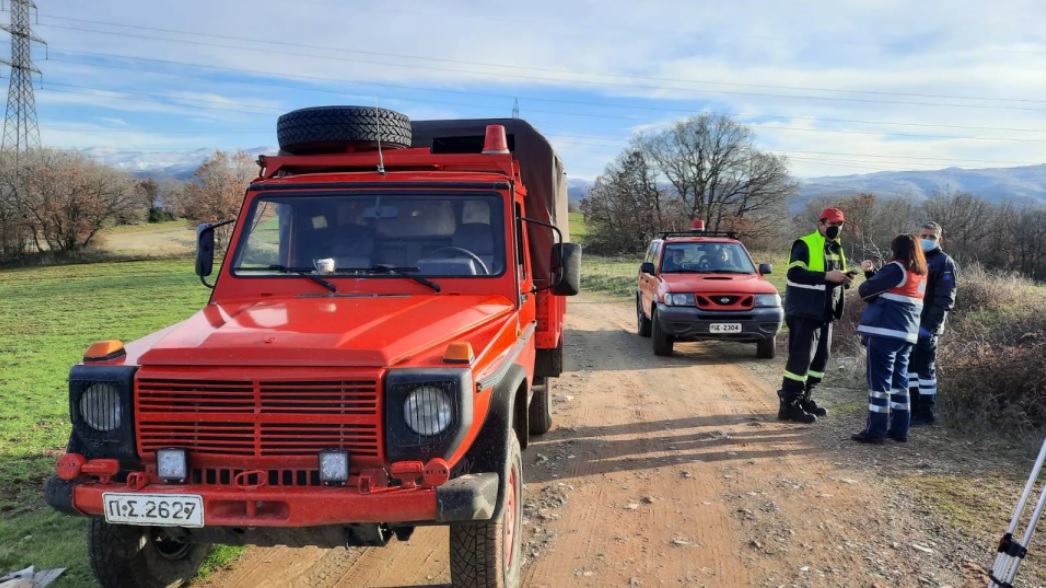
(928, 245)
(832, 233)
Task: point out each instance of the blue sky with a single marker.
(869, 86)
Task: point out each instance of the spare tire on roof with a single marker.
(327, 129)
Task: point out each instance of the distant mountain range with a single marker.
(995, 184)
(1026, 183)
(179, 165)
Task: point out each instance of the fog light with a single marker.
(172, 465)
(334, 467)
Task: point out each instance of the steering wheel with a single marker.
(467, 253)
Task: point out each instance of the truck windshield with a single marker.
(706, 258)
(435, 234)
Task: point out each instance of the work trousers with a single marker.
(809, 348)
(887, 375)
(922, 378)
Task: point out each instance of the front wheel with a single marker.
(766, 348)
(643, 322)
(663, 342)
(489, 555)
(144, 557)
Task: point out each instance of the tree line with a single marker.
(55, 201)
(709, 167)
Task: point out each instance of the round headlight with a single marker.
(100, 407)
(428, 410)
(679, 300)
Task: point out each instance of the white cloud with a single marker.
(740, 57)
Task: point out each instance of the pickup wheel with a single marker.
(330, 129)
(662, 341)
(489, 555)
(541, 407)
(766, 348)
(643, 326)
(125, 555)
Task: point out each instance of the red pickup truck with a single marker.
(377, 351)
(694, 286)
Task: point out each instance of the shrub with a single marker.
(991, 361)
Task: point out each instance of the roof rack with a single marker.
(713, 234)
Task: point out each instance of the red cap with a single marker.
(832, 215)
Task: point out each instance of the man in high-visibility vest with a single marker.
(813, 301)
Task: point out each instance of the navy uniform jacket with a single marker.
(940, 291)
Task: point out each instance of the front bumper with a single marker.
(467, 498)
(692, 324)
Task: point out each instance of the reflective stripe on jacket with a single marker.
(895, 303)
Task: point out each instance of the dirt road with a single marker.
(666, 472)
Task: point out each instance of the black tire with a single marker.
(644, 323)
(125, 555)
(541, 406)
(662, 341)
(766, 348)
(477, 552)
(326, 129)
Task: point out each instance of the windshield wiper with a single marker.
(301, 271)
(399, 271)
(729, 271)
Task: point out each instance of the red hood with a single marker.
(352, 332)
(718, 283)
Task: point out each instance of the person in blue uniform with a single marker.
(889, 327)
(939, 301)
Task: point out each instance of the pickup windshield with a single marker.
(706, 258)
(435, 234)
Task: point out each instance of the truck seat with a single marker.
(477, 238)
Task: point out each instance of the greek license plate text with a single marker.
(164, 510)
(724, 328)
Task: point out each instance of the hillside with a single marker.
(995, 184)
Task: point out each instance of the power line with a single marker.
(283, 44)
(784, 128)
(546, 79)
(477, 93)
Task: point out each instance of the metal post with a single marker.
(21, 132)
(1011, 552)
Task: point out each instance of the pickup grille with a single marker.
(260, 418)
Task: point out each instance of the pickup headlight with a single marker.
(678, 299)
(767, 300)
(100, 407)
(428, 410)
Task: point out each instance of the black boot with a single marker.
(808, 404)
(791, 411)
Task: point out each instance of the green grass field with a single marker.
(48, 317)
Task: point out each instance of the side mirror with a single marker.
(766, 268)
(566, 265)
(204, 249)
(647, 268)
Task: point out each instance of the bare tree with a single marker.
(965, 217)
(715, 169)
(217, 187)
(625, 206)
(69, 198)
